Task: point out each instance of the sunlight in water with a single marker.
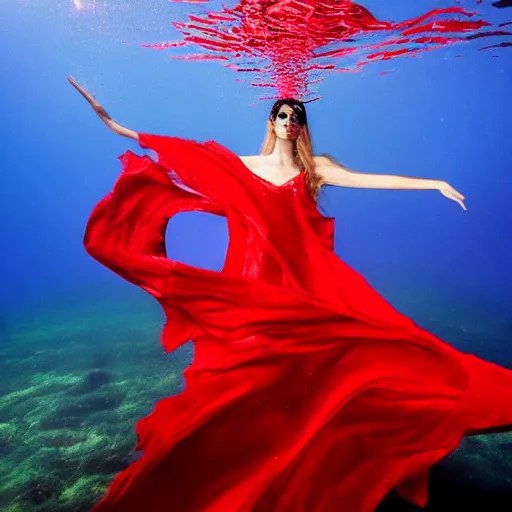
(90, 5)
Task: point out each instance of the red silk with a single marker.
(308, 391)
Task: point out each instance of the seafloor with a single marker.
(78, 373)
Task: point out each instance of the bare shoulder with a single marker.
(324, 161)
(251, 159)
(255, 163)
(321, 161)
(325, 165)
(330, 170)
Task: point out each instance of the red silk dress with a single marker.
(308, 392)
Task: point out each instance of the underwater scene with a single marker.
(257, 256)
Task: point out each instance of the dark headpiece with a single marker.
(297, 106)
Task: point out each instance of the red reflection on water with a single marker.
(288, 43)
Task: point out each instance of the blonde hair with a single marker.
(303, 153)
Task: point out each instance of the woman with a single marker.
(287, 150)
(308, 391)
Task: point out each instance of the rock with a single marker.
(94, 380)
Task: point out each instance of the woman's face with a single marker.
(286, 124)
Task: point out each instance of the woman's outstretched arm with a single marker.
(334, 174)
(102, 113)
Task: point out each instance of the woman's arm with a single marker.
(102, 113)
(334, 174)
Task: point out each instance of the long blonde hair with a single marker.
(303, 148)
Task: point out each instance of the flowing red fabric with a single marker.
(308, 392)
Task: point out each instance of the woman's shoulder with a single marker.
(322, 159)
(252, 159)
(256, 163)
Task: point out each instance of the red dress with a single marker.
(308, 391)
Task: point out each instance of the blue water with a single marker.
(434, 116)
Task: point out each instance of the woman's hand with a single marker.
(115, 127)
(448, 191)
(90, 99)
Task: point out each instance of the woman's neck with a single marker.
(283, 153)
